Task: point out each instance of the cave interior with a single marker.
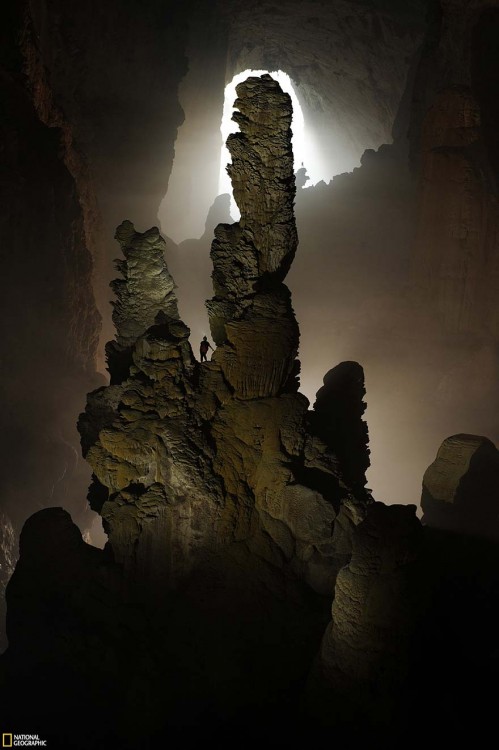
(300, 535)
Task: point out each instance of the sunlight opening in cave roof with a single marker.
(302, 146)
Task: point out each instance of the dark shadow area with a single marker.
(222, 654)
(485, 76)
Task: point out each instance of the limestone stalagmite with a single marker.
(461, 487)
(230, 507)
(337, 419)
(251, 315)
(194, 460)
(363, 667)
(145, 443)
(234, 516)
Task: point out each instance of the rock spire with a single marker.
(195, 462)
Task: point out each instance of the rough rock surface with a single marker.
(251, 316)
(401, 256)
(208, 476)
(400, 634)
(108, 78)
(229, 513)
(455, 262)
(461, 487)
(145, 444)
(201, 456)
(455, 199)
(363, 666)
(8, 556)
(49, 323)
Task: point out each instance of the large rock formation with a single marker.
(337, 419)
(108, 78)
(461, 487)
(212, 478)
(230, 510)
(194, 458)
(364, 662)
(75, 138)
(411, 646)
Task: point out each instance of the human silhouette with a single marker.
(203, 349)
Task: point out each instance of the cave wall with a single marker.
(82, 149)
(250, 409)
(50, 324)
(454, 258)
(349, 63)
(229, 507)
(84, 106)
(193, 184)
(397, 260)
(8, 558)
(118, 98)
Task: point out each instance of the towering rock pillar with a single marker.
(217, 464)
(251, 317)
(228, 507)
(141, 434)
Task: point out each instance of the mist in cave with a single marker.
(119, 111)
(357, 227)
(351, 285)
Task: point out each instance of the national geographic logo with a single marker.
(22, 740)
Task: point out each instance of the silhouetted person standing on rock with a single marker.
(203, 349)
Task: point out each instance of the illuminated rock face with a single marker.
(196, 463)
(142, 435)
(251, 317)
(461, 487)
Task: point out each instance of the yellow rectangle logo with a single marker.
(6, 740)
